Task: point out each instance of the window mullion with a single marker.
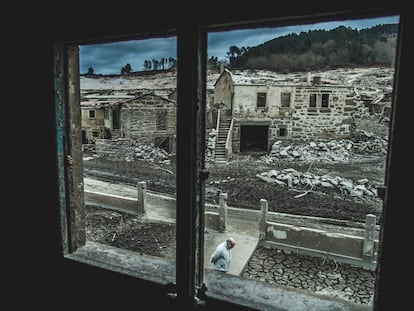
(187, 62)
(202, 173)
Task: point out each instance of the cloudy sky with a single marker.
(109, 58)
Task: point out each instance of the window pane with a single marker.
(129, 147)
(298, 188)
(285, 100)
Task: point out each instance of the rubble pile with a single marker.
(309, 182)
(362, 143)
(127, 149)
(365, 142)
(151, 153)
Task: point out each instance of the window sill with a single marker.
(154, 269)
(264, 296)
(220, 287)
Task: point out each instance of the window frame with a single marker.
(325, 100)
(285, 99)
(313, 101)
(192, 45)
(160, 124)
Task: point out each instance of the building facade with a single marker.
(147, 119)
(265, 112)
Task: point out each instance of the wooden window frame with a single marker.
(192, 46)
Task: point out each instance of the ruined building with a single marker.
(141, 115)
(254, 113)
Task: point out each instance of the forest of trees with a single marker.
(318, 49)
(307, 51)
(149, 65)
(162, 64)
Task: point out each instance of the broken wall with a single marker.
(150, 119)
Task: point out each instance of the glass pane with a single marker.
(129, 145)
(298, 185)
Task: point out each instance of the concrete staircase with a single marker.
(220, 151)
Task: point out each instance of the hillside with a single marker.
(320, 49)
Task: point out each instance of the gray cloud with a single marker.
(109, 58)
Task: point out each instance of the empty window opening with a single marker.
(325, 101)
(319, 100)
(84, 137)
(261, 100)
(163, 143)
(115, 119)
(129, 174)
(283, 132)
(312, 100)
(162, 120)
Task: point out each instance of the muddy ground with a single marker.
(238, 179)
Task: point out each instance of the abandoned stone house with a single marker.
(249, 114)
(253, 114)
(147, 118)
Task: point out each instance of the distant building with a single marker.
(150, 119)
(146, 118)
(253, 111)
(258, 112)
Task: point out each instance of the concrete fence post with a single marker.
(142, 197)
(368, 248)
(264, 206)
(223, 211)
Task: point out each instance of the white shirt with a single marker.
(221, 257)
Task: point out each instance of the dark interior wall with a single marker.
(253, 137)
(38, 276)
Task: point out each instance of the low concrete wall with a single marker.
(113, 202)
(361, 250)
(211, 220)
(276, 229)
(335, 244)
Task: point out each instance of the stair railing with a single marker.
(229, 141)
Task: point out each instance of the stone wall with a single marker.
(333, 122)
(148, 118)
(299, 121)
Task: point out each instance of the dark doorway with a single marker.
(163, 143)
(84, 137)
(115, 119)
(253, 138)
